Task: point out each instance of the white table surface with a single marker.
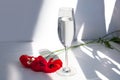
(91, 62)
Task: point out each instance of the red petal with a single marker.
(51, 59)
(53, 65)
(58, 61)
(39, 64)
(26, 60)
(23, 59)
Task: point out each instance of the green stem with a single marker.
(93, 41)
(75, 46)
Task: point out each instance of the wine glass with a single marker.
(66, 30)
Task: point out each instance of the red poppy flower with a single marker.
(26, 60)
(53, 65)
(39, 64)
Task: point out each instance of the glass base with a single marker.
(67, 71)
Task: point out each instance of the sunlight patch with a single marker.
(87, 51)
(101, 76)
(102, 55)
(116, 71)
(80, 33)
(13, 73)
(109, 8)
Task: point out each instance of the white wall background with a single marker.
(18, 19)
(26, 20)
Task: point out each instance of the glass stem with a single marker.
(66, 68)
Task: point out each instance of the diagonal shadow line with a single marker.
(90, 66)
